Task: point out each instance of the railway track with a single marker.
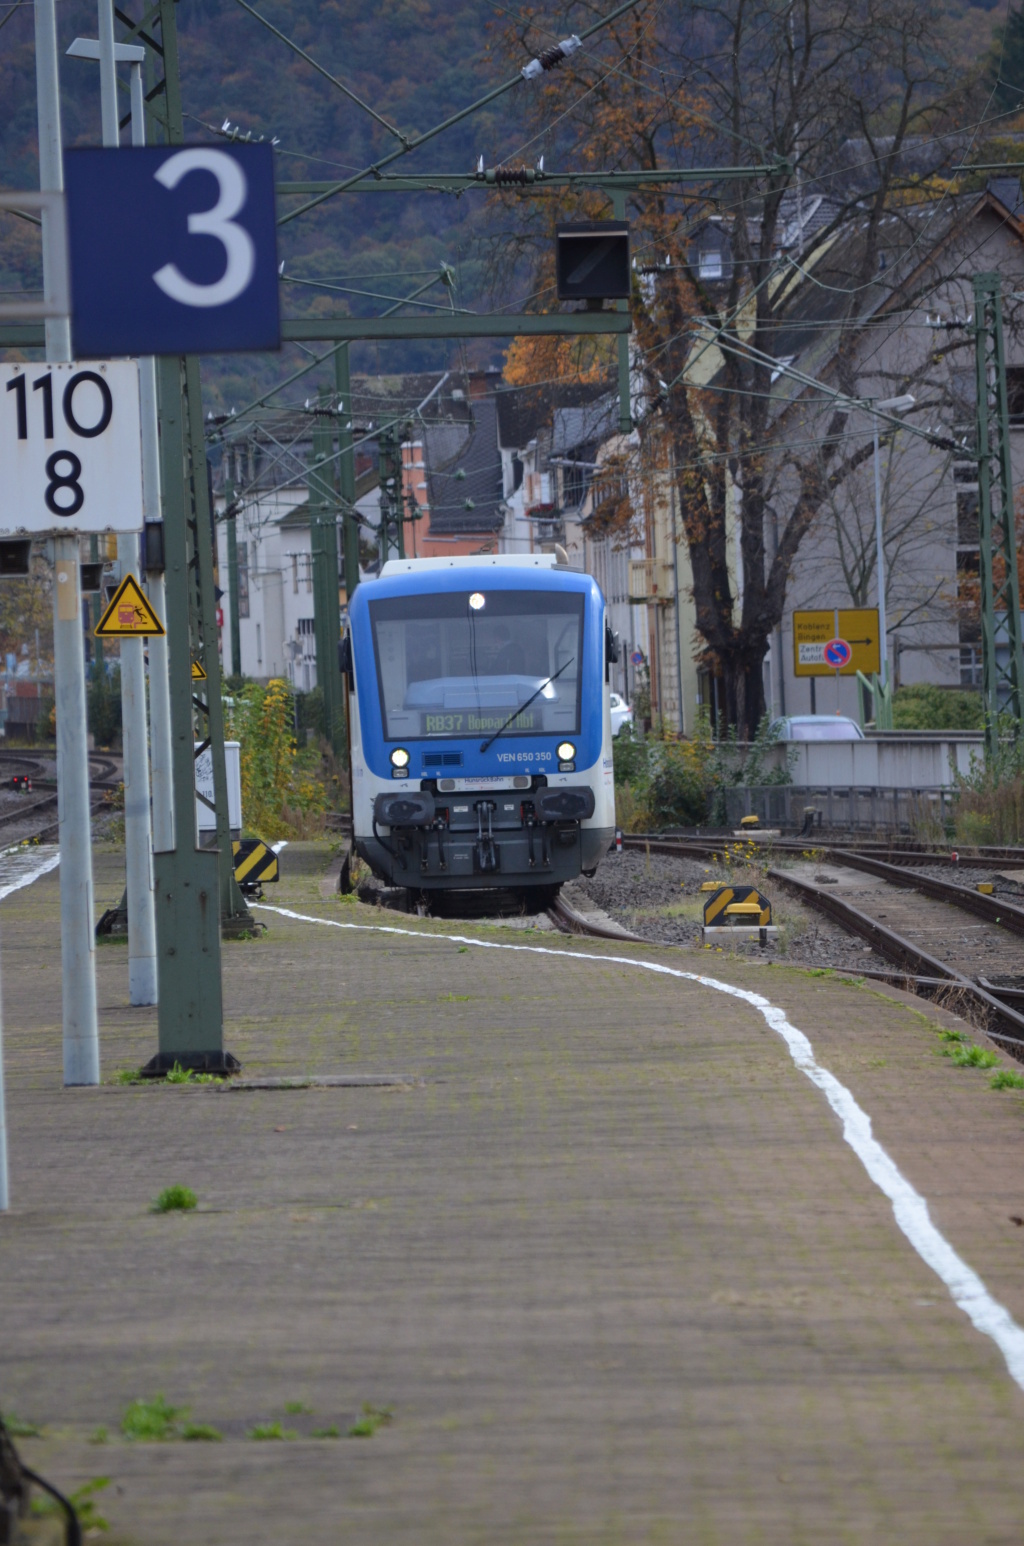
(943, 938)
(104, 775)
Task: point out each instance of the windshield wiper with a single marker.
(524, 706)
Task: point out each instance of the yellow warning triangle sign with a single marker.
(198, 674)
(128, 613)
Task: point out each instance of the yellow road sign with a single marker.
(819, 638)
(198, 674)
(129, 613)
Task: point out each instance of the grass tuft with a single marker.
(203, 1433)
(152, 1421)
(271, 1431)
(174, 1199)
(973, 1057)
(82, 1502)
(333, 1432)
(1006, 1079)
(294, 1408)
(19, 1428)
(373, 1417)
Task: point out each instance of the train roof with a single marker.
(499, 571)
(472, 561)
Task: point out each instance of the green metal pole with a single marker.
(236, 627)
(347, 471)
(625, 403)
(235, 915)
(186, 879)
(1000, 590)
(323, 537)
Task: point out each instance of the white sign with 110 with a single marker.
(70, 448)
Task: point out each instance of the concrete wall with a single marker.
(920, 759)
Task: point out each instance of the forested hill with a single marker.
(414, 61)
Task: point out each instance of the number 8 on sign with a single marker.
(68, 481)
(70, 448)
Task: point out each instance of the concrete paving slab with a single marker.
(602, 1252)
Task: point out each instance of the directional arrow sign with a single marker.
(835, 639)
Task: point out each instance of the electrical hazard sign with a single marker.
(129, 613)
(198, 674)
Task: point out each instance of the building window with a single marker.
(243, 579)
(967, 518)
(709, 263)
(1015, 394)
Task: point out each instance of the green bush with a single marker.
(923, 707)
(676, 796)
(631, 759)
(103, 705)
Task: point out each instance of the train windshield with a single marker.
(462, 663)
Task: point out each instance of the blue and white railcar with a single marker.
(480, 723)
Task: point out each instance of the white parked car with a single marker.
(622, 714)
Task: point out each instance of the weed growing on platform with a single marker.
(294, 1408)
(157, 1421)
(18, 1428)
(373, 1417)
(271, 1431)
(972, 1057)
(127, 1076)
(179, 1075)
(1006, 1079)
(98, 1436)
(333, 1432)
(81, 1501)
(174, 1199)
(152, 1421)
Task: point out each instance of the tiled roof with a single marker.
(464, 489)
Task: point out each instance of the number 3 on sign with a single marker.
(70, 448)
(239, 251)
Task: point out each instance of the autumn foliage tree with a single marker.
(738, 83)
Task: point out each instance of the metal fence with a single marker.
(858, 810)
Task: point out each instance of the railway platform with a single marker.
(509, 1237)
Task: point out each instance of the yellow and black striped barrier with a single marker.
(255, 863)
(738, 910)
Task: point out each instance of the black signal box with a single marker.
(592, 260)
(15, 557)
(92, 579)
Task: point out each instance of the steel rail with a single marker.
(894, 947)
(929, 973)
(570, 920)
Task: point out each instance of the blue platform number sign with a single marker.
(172, 250)
(838, 654)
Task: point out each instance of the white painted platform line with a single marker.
(19, 867)
(909, 1208)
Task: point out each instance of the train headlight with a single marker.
(566, 752)
(476, 601)
(400, 758)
